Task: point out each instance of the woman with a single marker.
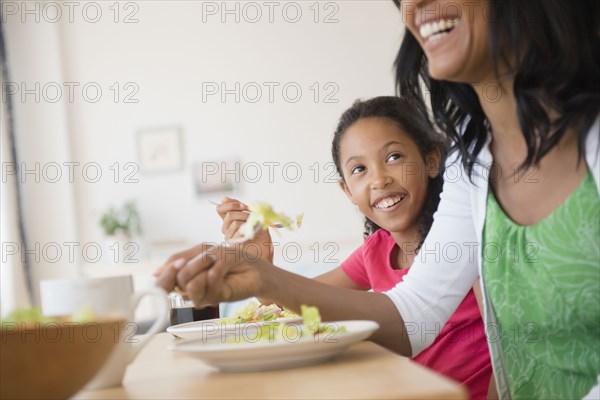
(515, 84)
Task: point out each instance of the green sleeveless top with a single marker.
(543, 282)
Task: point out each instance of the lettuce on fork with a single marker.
(262, 216)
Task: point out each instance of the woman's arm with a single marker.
(339, 304)
(229, 274)
(336, 277)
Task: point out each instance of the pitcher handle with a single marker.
(158, 324)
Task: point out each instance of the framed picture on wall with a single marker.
(214, 177)
(160, 149)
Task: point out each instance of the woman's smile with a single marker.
(453, 36)
(438, 33)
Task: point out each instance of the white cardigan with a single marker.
(450, 259)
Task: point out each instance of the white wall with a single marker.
(169, 54)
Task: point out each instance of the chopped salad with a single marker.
(274, 331)
(253, 311)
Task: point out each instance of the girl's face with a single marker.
(454, 36)
(385, 174)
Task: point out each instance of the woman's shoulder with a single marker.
(456, 172)
(592, 150)
(592, 144)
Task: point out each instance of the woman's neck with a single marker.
(500, 108)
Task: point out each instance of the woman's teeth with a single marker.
(433, 30)
(385, 203)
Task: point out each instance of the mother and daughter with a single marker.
(524, 208)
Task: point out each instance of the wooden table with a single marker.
(364, 371)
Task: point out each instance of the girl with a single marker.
(515, 85)
(389, 162)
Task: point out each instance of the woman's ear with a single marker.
(432, 162)
(346, 190)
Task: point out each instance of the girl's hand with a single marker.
(234, 214)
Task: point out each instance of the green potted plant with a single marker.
(120, 225)
(123, 221)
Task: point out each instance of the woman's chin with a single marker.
(444, 73)
(451, 71)
(448, 68)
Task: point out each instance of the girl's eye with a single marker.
(358, 169)
(394, 156)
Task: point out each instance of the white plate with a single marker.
(210, 328)
(266, 355)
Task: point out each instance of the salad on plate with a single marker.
(254, 311)
(275, 331)
(249, 317)
(276, 345)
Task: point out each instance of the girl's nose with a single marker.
(380, 180)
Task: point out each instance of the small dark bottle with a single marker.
(183, 311)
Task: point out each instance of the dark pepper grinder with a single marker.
(183, 311)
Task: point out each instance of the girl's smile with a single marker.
(385, 174)
(389, 202)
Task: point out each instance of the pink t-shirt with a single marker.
(460, 351)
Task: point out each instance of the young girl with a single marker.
(389, 162)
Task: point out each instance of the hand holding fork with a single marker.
(234, 214)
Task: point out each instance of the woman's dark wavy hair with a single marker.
(403, 113)
(555, 48)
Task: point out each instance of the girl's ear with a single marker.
(346, 190)
(432, 162)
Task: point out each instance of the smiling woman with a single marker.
(538, 136)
